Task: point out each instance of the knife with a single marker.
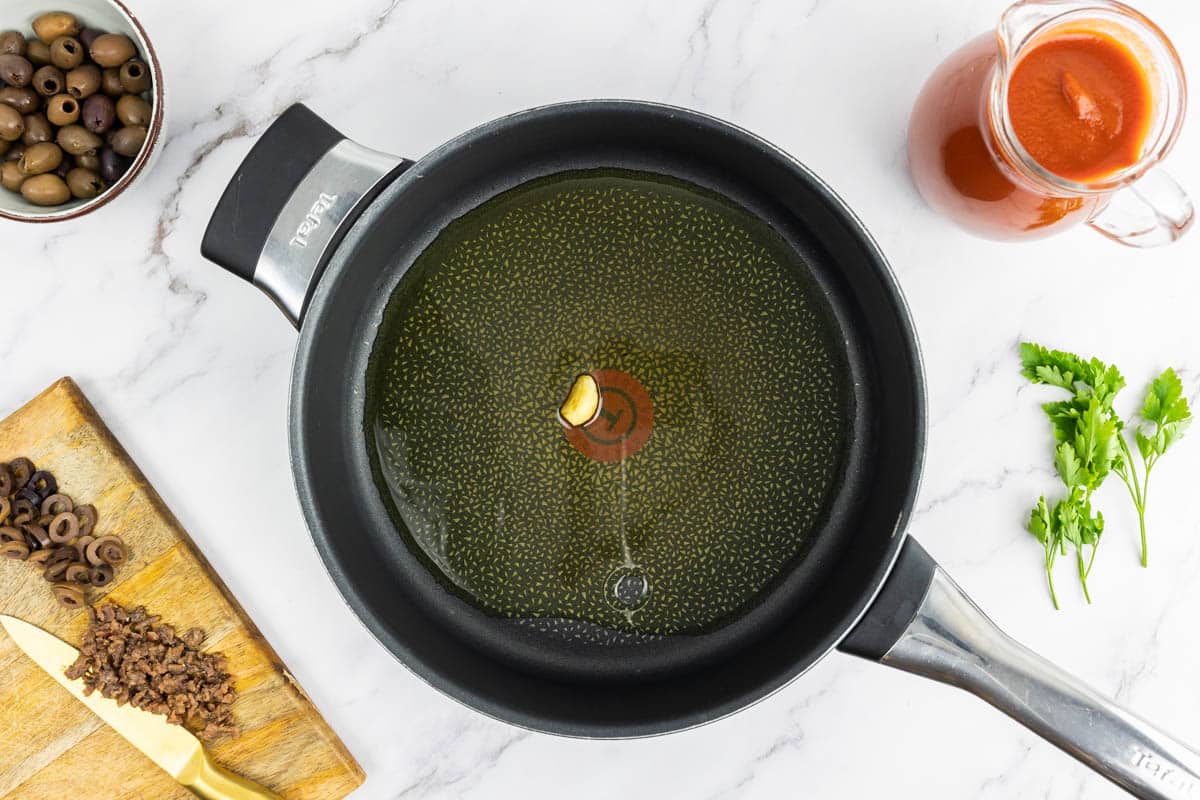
(171, 747)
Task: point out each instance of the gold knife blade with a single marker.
(171, 747)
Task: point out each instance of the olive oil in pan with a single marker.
(725, 404)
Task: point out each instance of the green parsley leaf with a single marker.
(1091, 444)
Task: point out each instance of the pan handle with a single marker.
(290, 203)
(922, 622)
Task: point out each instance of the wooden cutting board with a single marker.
(51, 746)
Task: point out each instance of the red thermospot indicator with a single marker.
(623, 423)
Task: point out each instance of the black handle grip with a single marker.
(262, 185)
(895, 606)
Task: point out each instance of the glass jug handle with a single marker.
(1149, 213)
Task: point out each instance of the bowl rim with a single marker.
(153, 134)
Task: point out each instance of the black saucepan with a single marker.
(327, 228)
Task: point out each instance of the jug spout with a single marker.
(1022, 19)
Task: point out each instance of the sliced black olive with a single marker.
(78, 573)
(107, 550)
(24, 510)
(39, 557)
(87, 518)
(37, 534)
(64, 528)
(68, 595)
(102, 575)
(5, 509)
(81, 545)
(22, 470)
(63, 554)
(10, 534)
(43, 482)
(55, 570)
(57, 504)
(31, 496)
(8, 484)
(18, 551)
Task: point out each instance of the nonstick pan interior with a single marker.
(519, 673)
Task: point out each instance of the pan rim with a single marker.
(367, 614)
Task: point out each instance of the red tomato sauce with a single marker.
(1080, 105)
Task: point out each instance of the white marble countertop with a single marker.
(190, 367)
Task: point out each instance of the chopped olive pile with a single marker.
(129, 657)
(74, 109)
(42, 526)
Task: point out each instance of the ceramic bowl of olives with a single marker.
(81, 106)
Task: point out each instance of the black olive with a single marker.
(37, 129)
(113, 165)
(12, 124)
(38, 52)
(112, 49)
(49, 81)
(66, 52)
(89, 35)
(77, 140)
(24, 101)
(135, 76)
(65, 167)
(129, 140)
(133, 110)
(62, 109)
(87, 518)
(22, 470)
(15, 70)
(110, 82)
(30, 494)
(83, 81)
(84, 183)
(99, 113)
(12, 42)
(101, 575)
(39, 158)
(53, 24)
(44, 484)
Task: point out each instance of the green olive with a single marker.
(128, 141)
(66, 52)
(42, 157)
(83, 81)
(84, 183)
(133, 110)
(112, 49)
(15, 151)
(4, 149)
(25, 101)
(12, 42)
(37, 129)
(110, 82)
(12, 124)
(45, 190)
(89, 161)
(135, 76)
(49, 27)
(49, 80)
(78, 140)
(11, 176)
(62, 109)
(15, 70)
(38, 52)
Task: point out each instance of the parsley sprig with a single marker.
(1091, 445)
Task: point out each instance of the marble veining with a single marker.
(191, 369)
